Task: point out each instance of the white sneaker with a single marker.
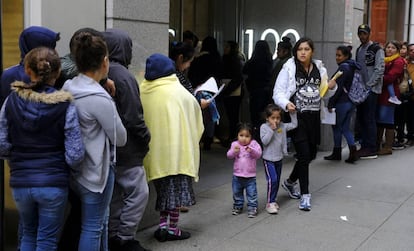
(394, 100)
(271, 208)
(305, 204)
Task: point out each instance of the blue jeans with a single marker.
(95, 215)
(344, 113)
(273, 171)
(240, 184)
(366, 113)
(42, 212)
(391, 91)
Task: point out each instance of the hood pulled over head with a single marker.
(119, 46)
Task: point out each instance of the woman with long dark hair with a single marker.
(297, 88)
(102, 129)
(258, 70)
(344, 108)
(232, 94)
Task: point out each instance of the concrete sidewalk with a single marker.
(366, 206)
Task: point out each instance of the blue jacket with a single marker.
(40, 134)
(348, 68)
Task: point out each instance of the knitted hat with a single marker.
(158, 66)
(36, 36)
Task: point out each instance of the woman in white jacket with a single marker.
(297, 88)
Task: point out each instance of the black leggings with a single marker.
(305, 153)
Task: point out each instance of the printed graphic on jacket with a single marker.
(307, 96)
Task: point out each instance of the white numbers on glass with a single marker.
(266, 32)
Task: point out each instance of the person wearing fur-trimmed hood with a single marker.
(41, 137)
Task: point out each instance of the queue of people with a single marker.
(103, 135)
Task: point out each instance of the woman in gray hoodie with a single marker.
(101, 129)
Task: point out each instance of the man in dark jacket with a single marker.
(130, 194)
(30, 38)
(371, 58)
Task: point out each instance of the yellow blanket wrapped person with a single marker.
(174, 119)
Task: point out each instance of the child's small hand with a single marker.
(237, 149)
(273, 125)
(248, 149)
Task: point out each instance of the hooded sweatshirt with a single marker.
(174, 119)
(101, 126)
(30, 38)
(127, 98)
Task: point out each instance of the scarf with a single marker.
(391, 58)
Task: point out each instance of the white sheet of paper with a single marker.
(328, 118)
(210, 85)
(217, 93)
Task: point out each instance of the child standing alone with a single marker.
(273, 137)
(245, 151)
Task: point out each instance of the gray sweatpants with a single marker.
(128, 203)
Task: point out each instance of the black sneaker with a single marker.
(364, 153)
(114, 243)
(252, 213)
(133, 245)
(176, 237)
(398, 146)
(409, 143)
(161, 234)
(236, 211)
(291, 189)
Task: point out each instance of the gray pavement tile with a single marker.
(302, 231)
(245, 245)
(401, 221)
(410, 201)
(388, 241)
(362, 213)
(376, 196)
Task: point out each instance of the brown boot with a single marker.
(389, 139)
(336, 154)
(352, 155)
(380, 134)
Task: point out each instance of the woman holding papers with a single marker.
(344, 108)
(297, 89)
(205, 65)
(208, 91)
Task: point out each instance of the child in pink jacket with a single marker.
(245, 151)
